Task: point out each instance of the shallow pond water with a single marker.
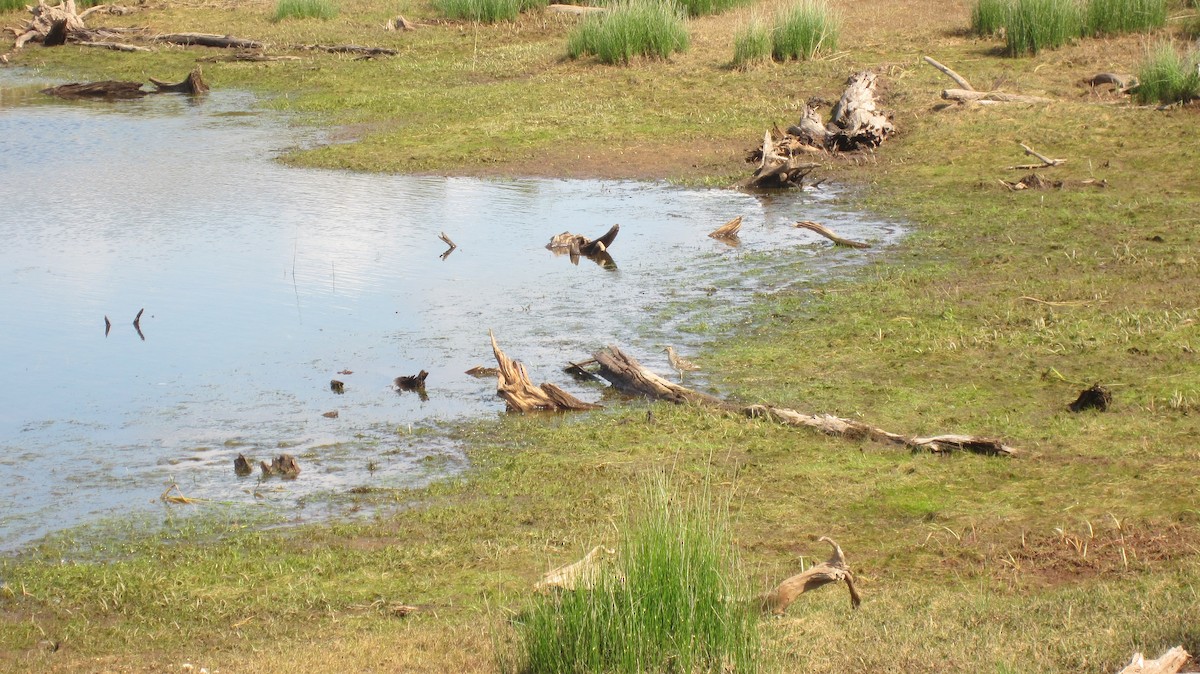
(261, 283)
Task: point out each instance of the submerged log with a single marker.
(577, 244)
(411, 382)
(192, 84)
(209, 40)
(520, 394)
(109, 89)
(628, 375)
(284, 465)
(832, 570)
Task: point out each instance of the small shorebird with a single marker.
(679, 364)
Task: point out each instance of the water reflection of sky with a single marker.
(260, 283)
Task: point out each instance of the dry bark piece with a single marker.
(519, 393)
(1095, 398)
(828, 234)
(728, 230)
(284, 465)
(626, 374)
(1168, 663)
(832, 570)
(578, 575)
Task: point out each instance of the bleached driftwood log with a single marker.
(828, 234)
(1167, 663)
(626, 374)
(832, 570)
(578, 575)
(61, 19)
(856, 121)
(968, 94)
(728, 230)
(514, 386)
(582, 10)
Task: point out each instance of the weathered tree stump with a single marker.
(411, 382)
(856, 121)
(241, 466)
(192, 84)
(520, 394)
(284, 465)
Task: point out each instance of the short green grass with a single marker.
(1168, 76)
(707, 7)
(486, 11)
(804, 30)
(304, 9)
(1114, 17)
(988, 16)
(629, 29)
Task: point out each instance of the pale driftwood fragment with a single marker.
(520, 394)
(967, 96)
(832, 570)
(958, 79)
(581, 575)
(115, 46)
(728, 230)
(399, 23)
(1167, 663)
(581, 10)
(446, 240)
(626, 374)
(577, 244)
(828, 234)
(857, 119)
(209, 40)
(1047, 162)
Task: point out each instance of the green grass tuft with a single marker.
(486, 11)
(751, 44)
(706, 7)
(1034, 25)
(987, 17)
(631, 28)
(804, 30)
(304, 9)
(1166, 76)
(666, 606)
(1113, 17)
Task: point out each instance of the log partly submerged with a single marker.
(192, 84)
(521, 395)
(828, 234)
(113, 89)
(577, 244)
(728, 231)
(626, 374)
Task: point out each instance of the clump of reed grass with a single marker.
(304, 9)
(631, 28)
(486, 11)
(751, 44)
(988, 16)
(706, 7)
(1113, 17)
(1034, 25)
(804, 30)
(1166, 76)
(668, 604)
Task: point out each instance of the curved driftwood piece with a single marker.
(192, 84)
(828, 234)
(1168, 663)
(577, 244)
(728, 230)
(626, 374)
(958, 79)
(514, 386)
(832, 570)
(578, 575)
(209, 40)
(856, 121)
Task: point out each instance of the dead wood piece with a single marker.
(115, 46)
(284, 465)
(969, 96)
(1168, 663)
(825, 232)
(411, 382)
(399, 23)
(57, 35)
(519, 393)
(578, 575)
(241, 465)
(350, 49)
(577, 244)
(958, 79)
(1122, 83)
(582, 10)
(249, 56)
(481, 371)
(857, 120)
(108, 89)
(192, 84)
(1095, 398)
(777, 170)
(1047, 162)
(209, 40)
(810, 130)
(627, 375)
(728, 230)
(55, 23)
(338, 387)
(115, 10)
(832, 570)
(445, 239)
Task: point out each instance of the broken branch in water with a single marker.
(520, 394)
(828, 234)
(729, 230)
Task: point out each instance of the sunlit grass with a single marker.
(1113, 17)
(988, 16)
(304, 9)
(486, 11)
(804, 30)
(1035, 25)
(1168, 76)
(751, 44)
(631, 28)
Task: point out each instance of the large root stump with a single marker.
(521, 395)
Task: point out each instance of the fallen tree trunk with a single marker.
(110, 89)
(832, 570)
(628, 375)
(514, 386)
(208, 40)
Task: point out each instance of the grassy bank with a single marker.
(989, 319)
